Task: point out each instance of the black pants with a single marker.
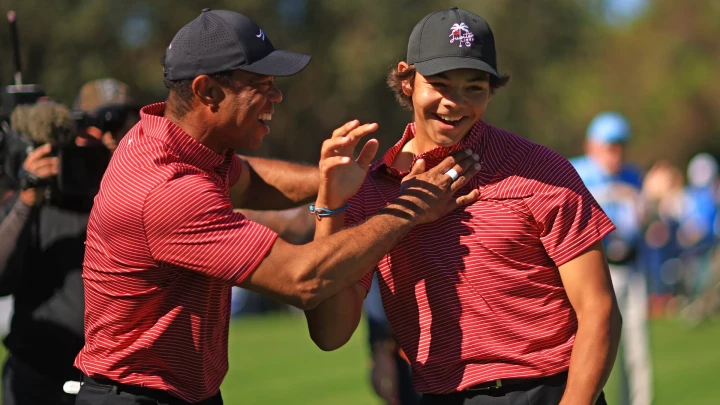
(23, 385)
(97, 392)
(543, 394)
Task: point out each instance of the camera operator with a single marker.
(103, 111)
(41, 255)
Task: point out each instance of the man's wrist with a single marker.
(402, 208)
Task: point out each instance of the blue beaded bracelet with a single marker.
(324, 212)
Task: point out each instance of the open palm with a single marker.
(342, 174)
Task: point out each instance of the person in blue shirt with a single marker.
(616, 185)
(699, 231)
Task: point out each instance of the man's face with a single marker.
(448, 104)
(245, 110)
(609, 155)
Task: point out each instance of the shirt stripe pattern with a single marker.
(477, 295)
(164, 247)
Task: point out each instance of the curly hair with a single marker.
(395, 79)
(180, 95)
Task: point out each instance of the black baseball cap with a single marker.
(221, 40)
(452, 39)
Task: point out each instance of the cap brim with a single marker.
(439, 65)
(279, 63)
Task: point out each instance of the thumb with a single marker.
(367, 154)
(417, 169)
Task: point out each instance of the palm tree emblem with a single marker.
(461, 32)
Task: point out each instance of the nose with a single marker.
(275, 94)
(452, 97)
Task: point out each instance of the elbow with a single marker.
(616, 321)
(329, 343)
(308, 294)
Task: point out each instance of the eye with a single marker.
(476, 88)
(439, 85)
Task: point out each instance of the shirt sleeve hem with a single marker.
(580, 248)
(260, 257)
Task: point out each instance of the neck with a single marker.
(195, 125)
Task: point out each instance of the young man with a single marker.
(165, 246)
(507, 300)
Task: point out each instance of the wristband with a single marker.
(324, 212)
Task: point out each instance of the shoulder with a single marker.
(543, 163)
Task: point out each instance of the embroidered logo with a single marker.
(461, 33)
(261, 35)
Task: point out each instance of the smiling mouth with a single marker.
(450, 119)
(265, 118)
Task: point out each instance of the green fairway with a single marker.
(273, 360)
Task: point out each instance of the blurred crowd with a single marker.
(680, 239)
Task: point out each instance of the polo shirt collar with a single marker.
(473, 140)
(191, 151)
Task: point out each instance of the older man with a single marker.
(165, 246)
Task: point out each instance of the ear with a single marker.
(407, 85)
(207, 91)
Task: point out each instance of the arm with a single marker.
(295, 225)
(332, 323)
(13, 244)
(267, 184)
(589, 288)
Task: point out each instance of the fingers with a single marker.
(468, 174)
(451, 161)
(417, 169)
(39, 165)
(468, 198)
(38, 153)
(367, 154)
(44, 167)
(345, 129)
(326, 165)
(349, 136)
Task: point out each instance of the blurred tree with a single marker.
(567, 59)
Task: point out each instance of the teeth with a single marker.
(265, 117)
(450, 118)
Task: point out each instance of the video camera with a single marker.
(27, 122)
(107, 119)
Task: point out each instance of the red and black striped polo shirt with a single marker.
(163, 249)
(477, 295)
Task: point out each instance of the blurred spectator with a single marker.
(42, 249)
(616, 186)
(662, 191)
(104, 111)
(698, 231)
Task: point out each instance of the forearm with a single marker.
(333, 321)
(346, 256)
(593, 356)
(306, 275)
(11, 229)
(277, 185)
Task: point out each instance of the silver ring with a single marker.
(453, 174)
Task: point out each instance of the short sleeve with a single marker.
(568, 217)
(190, 223)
